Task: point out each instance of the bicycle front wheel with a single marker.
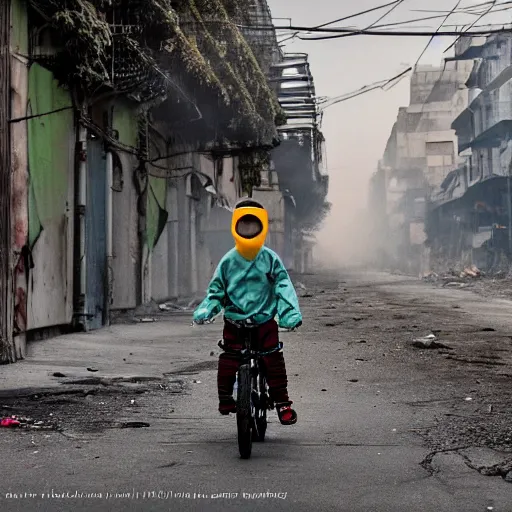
(244, 412)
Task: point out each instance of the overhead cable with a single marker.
(397, 4)
(373, 9)
(492, 4)
(342, 32)
(383, 84)
(439, 28)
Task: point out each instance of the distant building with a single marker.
(421, 151)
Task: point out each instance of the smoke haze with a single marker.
(357, 130)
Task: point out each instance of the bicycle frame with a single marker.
(253, 399)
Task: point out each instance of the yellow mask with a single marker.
(249, 228)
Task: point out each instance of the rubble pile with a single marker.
(453, 277)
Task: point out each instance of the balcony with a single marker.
(502, 75)
(493, 124)
(296, 93)
(469, 48)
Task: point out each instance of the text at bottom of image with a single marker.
(142, 495)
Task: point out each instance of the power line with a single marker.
(345, 18)
(439, 28)
(329, 102)
(467, 10)
(342, 32)
(493, 4)
(397, 4)
(373, 9)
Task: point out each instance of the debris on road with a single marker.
(134, 424)
(429, 342)
(171, 306)
(10, 422)
(471, 272)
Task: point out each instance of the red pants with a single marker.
(268, 337)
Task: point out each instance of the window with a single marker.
(445, 148)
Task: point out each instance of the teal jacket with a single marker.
(258, 290)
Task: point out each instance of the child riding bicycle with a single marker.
(252, 286)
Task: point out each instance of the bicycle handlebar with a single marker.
(248, 326)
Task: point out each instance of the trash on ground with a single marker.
(472, 271)
(10, 422)
(147, 320)
(171, 306)
(135, 424)
(428, 342)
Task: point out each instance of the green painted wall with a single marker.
(19, 37)
(48, 149)
(125, 122)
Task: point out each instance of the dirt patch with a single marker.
(98, 405)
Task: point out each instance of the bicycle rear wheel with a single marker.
(243, 412)
(260, 413)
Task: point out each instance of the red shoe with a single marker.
(287, 416)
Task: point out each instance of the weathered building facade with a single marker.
(420, 153)
(299, 163)
(127, 138)
(471, 216)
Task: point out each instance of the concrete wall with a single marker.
(43, 188)
(125, 218)
(274, 203)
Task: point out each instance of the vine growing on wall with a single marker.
(216, 55)
(250, 165)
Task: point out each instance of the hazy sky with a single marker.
(357, 130)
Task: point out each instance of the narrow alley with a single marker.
(402, 391)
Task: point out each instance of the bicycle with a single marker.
(253, 398)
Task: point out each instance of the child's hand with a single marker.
(201, 316)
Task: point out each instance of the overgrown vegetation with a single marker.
(135, 46)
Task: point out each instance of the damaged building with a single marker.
(420, 153)
(470, 219)
(127, 134)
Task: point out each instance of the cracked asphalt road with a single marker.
(383, 426)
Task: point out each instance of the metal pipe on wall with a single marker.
(81, 208)
(109, 183)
